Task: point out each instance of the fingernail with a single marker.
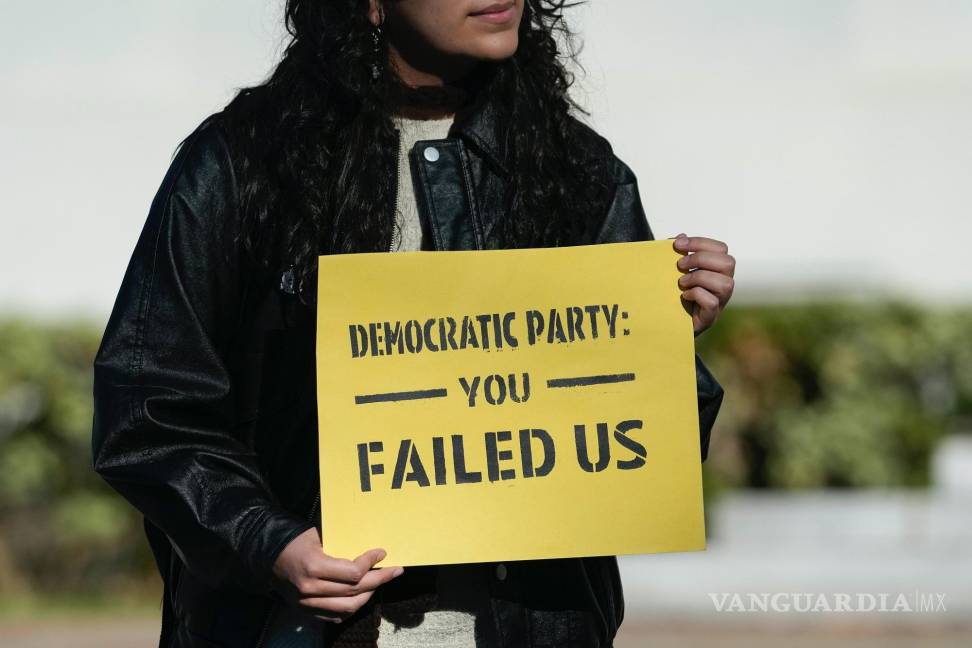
(398, 572)
(681, 235)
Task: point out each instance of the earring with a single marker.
(376, 39)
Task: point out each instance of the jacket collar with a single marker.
(478, 122)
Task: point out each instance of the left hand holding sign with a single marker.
(331, 589)
(708, 282)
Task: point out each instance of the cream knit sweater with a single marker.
(408, 235)
(452, 621)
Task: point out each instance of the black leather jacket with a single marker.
(205, 416)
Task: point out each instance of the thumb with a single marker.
(368, 559)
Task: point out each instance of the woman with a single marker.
(388, 125)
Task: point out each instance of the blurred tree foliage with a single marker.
(817, 395)
(836, 394)
(62, 530)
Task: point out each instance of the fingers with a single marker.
(699, 244)
(708, 281)
(715, 283)
(338, 577)
(708, 303)
(370, 581)
(715, 261)
(337, 588)
(343, 570)
(335, 608)
(368, 559)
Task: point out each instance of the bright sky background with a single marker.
(830, 143)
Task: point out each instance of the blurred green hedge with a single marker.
(62, 530)
(836, 394)
(817, 395)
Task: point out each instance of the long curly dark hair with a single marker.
(315, 146)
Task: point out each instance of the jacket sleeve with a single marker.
(626, 221)
(163, 432)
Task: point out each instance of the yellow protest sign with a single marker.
(507, 405)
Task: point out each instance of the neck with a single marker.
(427, 86)
(430, 97)
(426, 102)
(418, 64)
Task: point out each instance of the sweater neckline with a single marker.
(423, 129)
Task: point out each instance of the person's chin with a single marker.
(496, 47)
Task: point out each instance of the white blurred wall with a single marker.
(868, 541)
(828, 142)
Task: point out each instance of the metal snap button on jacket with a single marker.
(431, 153)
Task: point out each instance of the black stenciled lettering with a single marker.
(611, 315)
(534, 326)
(526, 452)
(575, 323)
(459, 461)
(592, 312)
(496, 388)
(621, 436)
(603, 448)
(365, 468)
(448, 337)
(393, 337)
(373, 337)
(363, 472)
(555, 329)
(359, 340)
(484, 329)
(515, 396)
(508, 336)
(468, 337)
(498, 396)
(427, 334)
(494, 456)
(438, 460)
(408, 455)
(497, 331)
(470, 389)
(413, 336)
